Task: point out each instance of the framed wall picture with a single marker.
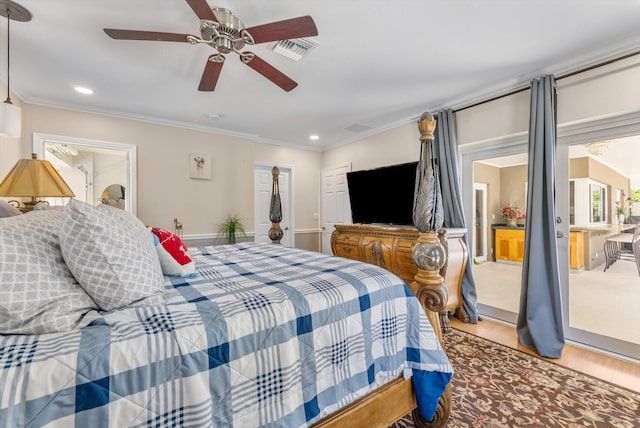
(200, 166)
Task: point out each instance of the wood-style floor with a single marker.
(611, 369)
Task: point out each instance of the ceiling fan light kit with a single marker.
(223, 31)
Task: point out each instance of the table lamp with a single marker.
(34, 178)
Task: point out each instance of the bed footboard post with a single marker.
(275, 209)
(428, 216)
(428, 285)
(429, 253)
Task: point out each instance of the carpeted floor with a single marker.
(497, 386)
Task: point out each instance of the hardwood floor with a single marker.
(611, 369)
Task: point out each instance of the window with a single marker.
(598, 194)
(588, 204)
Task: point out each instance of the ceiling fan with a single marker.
(224, 32)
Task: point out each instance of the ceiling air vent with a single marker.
(357, 127)
(294, 49)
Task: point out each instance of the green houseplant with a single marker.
(231, 226)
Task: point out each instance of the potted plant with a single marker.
(623, 206)
(231, 226)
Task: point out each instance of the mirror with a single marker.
(97, 171)
(114, 195)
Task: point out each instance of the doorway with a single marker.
(262, 185)
(480, 222)
(498, 182)
(601, 306)
(336, 208)
(583, 324)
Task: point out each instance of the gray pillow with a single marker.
(111, 254)
(8, 210)
(38, 294)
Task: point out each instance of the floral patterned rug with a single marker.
(497, 386)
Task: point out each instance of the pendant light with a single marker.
(10, 114)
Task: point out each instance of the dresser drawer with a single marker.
(406, 273)
(404, 258)
(406, 244)
(347, 239)
(347, 251)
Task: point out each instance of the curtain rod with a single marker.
(569, 74)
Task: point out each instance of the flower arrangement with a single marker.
(232, 225)
(512, 212)
(624, 205)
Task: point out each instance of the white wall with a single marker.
(399, 145)
(165, 190)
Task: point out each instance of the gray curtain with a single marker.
(445, 150)
(540, 317)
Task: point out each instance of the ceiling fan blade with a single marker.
(145, 35)
(211, 73)
(282, 30)
(267, 70)
(202, 9)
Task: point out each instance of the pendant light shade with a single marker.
(10, 114)
(10, 120)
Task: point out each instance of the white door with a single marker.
(479, 222)
(335, 203)
(262, 201)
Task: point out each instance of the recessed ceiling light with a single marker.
(83, 90)
(314, 137)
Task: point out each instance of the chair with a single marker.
(616, 248)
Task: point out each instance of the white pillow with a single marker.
(38, 294)
(112, 255)
(8, 210)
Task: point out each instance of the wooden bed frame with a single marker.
(396, 399)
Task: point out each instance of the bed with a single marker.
(258, 335)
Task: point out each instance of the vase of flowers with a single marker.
(512, 214)
(231, 226)
(623, 206)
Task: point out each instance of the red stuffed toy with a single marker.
(173, 254)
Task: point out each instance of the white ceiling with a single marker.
(378, 63)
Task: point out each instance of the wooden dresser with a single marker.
(391, 247)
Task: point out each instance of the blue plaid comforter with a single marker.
(263, 336)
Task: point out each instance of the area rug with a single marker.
(497, 386)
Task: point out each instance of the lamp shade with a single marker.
(10, 119)
(34, 178)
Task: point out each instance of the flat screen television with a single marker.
(383, 195)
